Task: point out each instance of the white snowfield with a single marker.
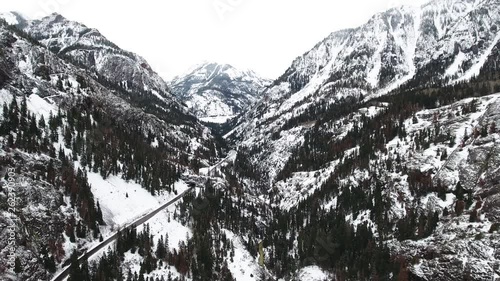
(218, 119)
(244, 266)
(312, 273)
(122, 202)
(10, 18)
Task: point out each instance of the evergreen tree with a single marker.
(160, 249)
(18, 268)
(74, 271)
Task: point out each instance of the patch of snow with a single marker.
(455, 66)
(373, 75)
(133, 262)
(158, 95)
(117, 208)
(244, 267)
(26, 67)
(10, 18)
(364, 217)
(217, 119)
(40, 106)
(312, 273)
(195, 144)
(163, 223)
(155, 143)
(5, 97)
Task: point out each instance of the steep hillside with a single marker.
(403, 186)
(67, 137)
(376, 150)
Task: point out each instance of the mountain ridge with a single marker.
(88, 48)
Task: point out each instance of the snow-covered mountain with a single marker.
(14, 18)
(438, 43)
(215, 92)
(88, 48)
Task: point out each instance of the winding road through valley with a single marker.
(61, 276)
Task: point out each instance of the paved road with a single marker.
(61, 276)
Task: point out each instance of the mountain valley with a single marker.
(374, 156)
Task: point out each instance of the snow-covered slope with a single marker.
(462, 244)
(218, 91)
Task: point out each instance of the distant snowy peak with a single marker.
(14, 18)
(210, 71)
(213, 90)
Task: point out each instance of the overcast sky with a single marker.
(263, 35)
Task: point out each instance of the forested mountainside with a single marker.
(382, 140)
(67, 134)
(375, 156)
(215, 92)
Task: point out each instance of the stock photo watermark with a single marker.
(12, 210)
(225, 7)
(14, 182)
